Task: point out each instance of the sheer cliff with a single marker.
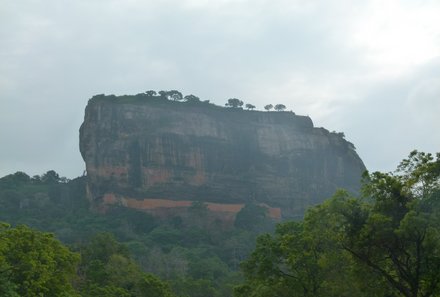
(140, 150)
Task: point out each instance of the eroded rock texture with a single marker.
(150, 148)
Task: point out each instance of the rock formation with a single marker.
(147, 147)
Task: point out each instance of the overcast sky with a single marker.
(370, 69)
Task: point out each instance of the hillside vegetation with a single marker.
(386, 242)
(195, 258)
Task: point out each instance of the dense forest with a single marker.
(193, 258)
(383, 242)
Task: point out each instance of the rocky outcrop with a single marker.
(139, 147)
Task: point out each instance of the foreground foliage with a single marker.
(34, 263)
(384, 243)
(195, 258)
(107, 270)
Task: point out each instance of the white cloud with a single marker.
(398, 35)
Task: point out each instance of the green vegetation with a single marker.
(234, 103)
(191, 99)
(150, 93)
(384, 243)
(173, 96)
(280, 107)
(156, 98)
(106, 269)
(250, 106)
(195, 256)
(33, 263)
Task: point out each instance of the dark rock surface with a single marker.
(148, 147)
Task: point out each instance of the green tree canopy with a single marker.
(151, 93)
(34, 264)
(250, 106)
(108, 270)
(395, 233)
(268, 107)
(17, 178)
(384, 243)
(280, 107)
(171, 95)
(300, 259)
(251, 217)
(163, 94)
(50, 177)
(191, 99)
(234, 103)
(175, 95)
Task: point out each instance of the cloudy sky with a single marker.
(370, 69)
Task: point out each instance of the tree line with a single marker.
(237, 103)
(177, 96)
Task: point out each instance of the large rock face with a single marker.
(144, 148)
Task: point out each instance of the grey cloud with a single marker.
(394, 117)
(57, 54)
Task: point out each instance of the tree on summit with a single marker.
(250, 106)
(175, 95)
(171, 95)
(191, 99)
(151, 93)
(268, 107)
(163, 94)
(280, 107)
(234, 103)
